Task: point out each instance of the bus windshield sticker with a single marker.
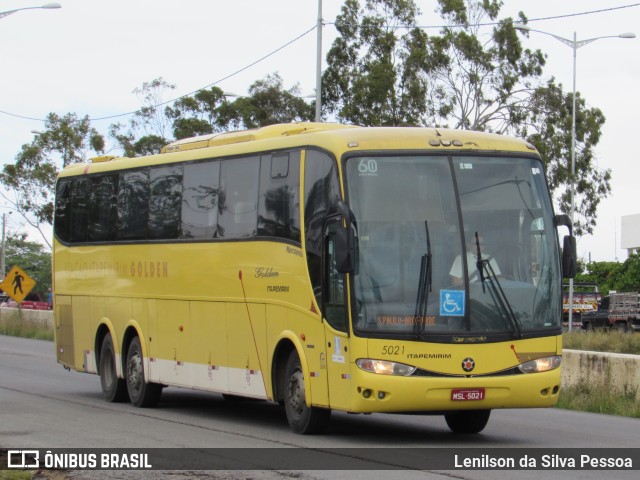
(337, 356)
(452, 303)
(368, 167)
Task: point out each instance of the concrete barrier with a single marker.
(42, 317)
(618, 371)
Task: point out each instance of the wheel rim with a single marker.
(134, 372)
(296, 398)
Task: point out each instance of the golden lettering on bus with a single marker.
(111, 270)
(149, 269)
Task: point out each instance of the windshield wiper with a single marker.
(424, 286)
(487, 274)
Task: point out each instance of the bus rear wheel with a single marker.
(467, 421)
(302, 419)
(141, 393)
(113, 388)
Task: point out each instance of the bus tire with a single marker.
(467, 421)
(113, 388)
(141, 393)
(302, 419)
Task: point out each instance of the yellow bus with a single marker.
(320, 266)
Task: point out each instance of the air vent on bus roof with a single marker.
(228, 138)
(103, 158)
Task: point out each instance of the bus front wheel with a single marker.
(113, 388)
(141, 393)
(302, 418)
(467, 421)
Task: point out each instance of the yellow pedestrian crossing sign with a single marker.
(17, 284)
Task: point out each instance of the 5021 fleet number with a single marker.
(392, 350)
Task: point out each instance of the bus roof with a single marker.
(330, 136)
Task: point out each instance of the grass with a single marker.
(13, 323)
(587, 397)
(602, 341)
(15, 475)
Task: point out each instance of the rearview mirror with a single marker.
(345, 250)
(569, 257)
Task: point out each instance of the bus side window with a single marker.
(334, 299)
(201, 189)
(238, 198)
(321, 194)
(165, 202)
(279, 199)
(62, 222)
(80, 209)
(103, 208)
(133, 199)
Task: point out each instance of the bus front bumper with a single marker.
(381, 393)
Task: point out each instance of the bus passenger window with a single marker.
(165, 202)
(279, 200)
(80, 210)
(62, 221)
(238, 202)
(103, 208)
(133, 198)
(201, 190)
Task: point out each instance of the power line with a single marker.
(109, 117)
(186, 94)
(489, 24)
(217, 81)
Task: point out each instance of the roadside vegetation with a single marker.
(12, 323)
(587, 397)
(602, 341)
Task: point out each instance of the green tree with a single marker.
(198, 114)
(149, 128)
(268, 103)
(204, 112)
(30, 180)
(601, 274)
(621, 277)
(375, 76)
(548, 127)
(626, 278)
(384, 70)
(488, 76)
(32, 258)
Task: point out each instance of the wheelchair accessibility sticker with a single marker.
(452, 303)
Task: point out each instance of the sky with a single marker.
(89, 56)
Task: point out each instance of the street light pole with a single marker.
(319, 64)
(2, 256)
(45, 6)
(575, 45)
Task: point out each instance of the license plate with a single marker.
(467, 394)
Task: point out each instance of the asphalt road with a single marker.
(44, 406)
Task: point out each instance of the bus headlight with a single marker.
(541, 364)
(384, 367)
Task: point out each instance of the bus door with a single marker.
(335, 315)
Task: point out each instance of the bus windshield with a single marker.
(450, 246)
